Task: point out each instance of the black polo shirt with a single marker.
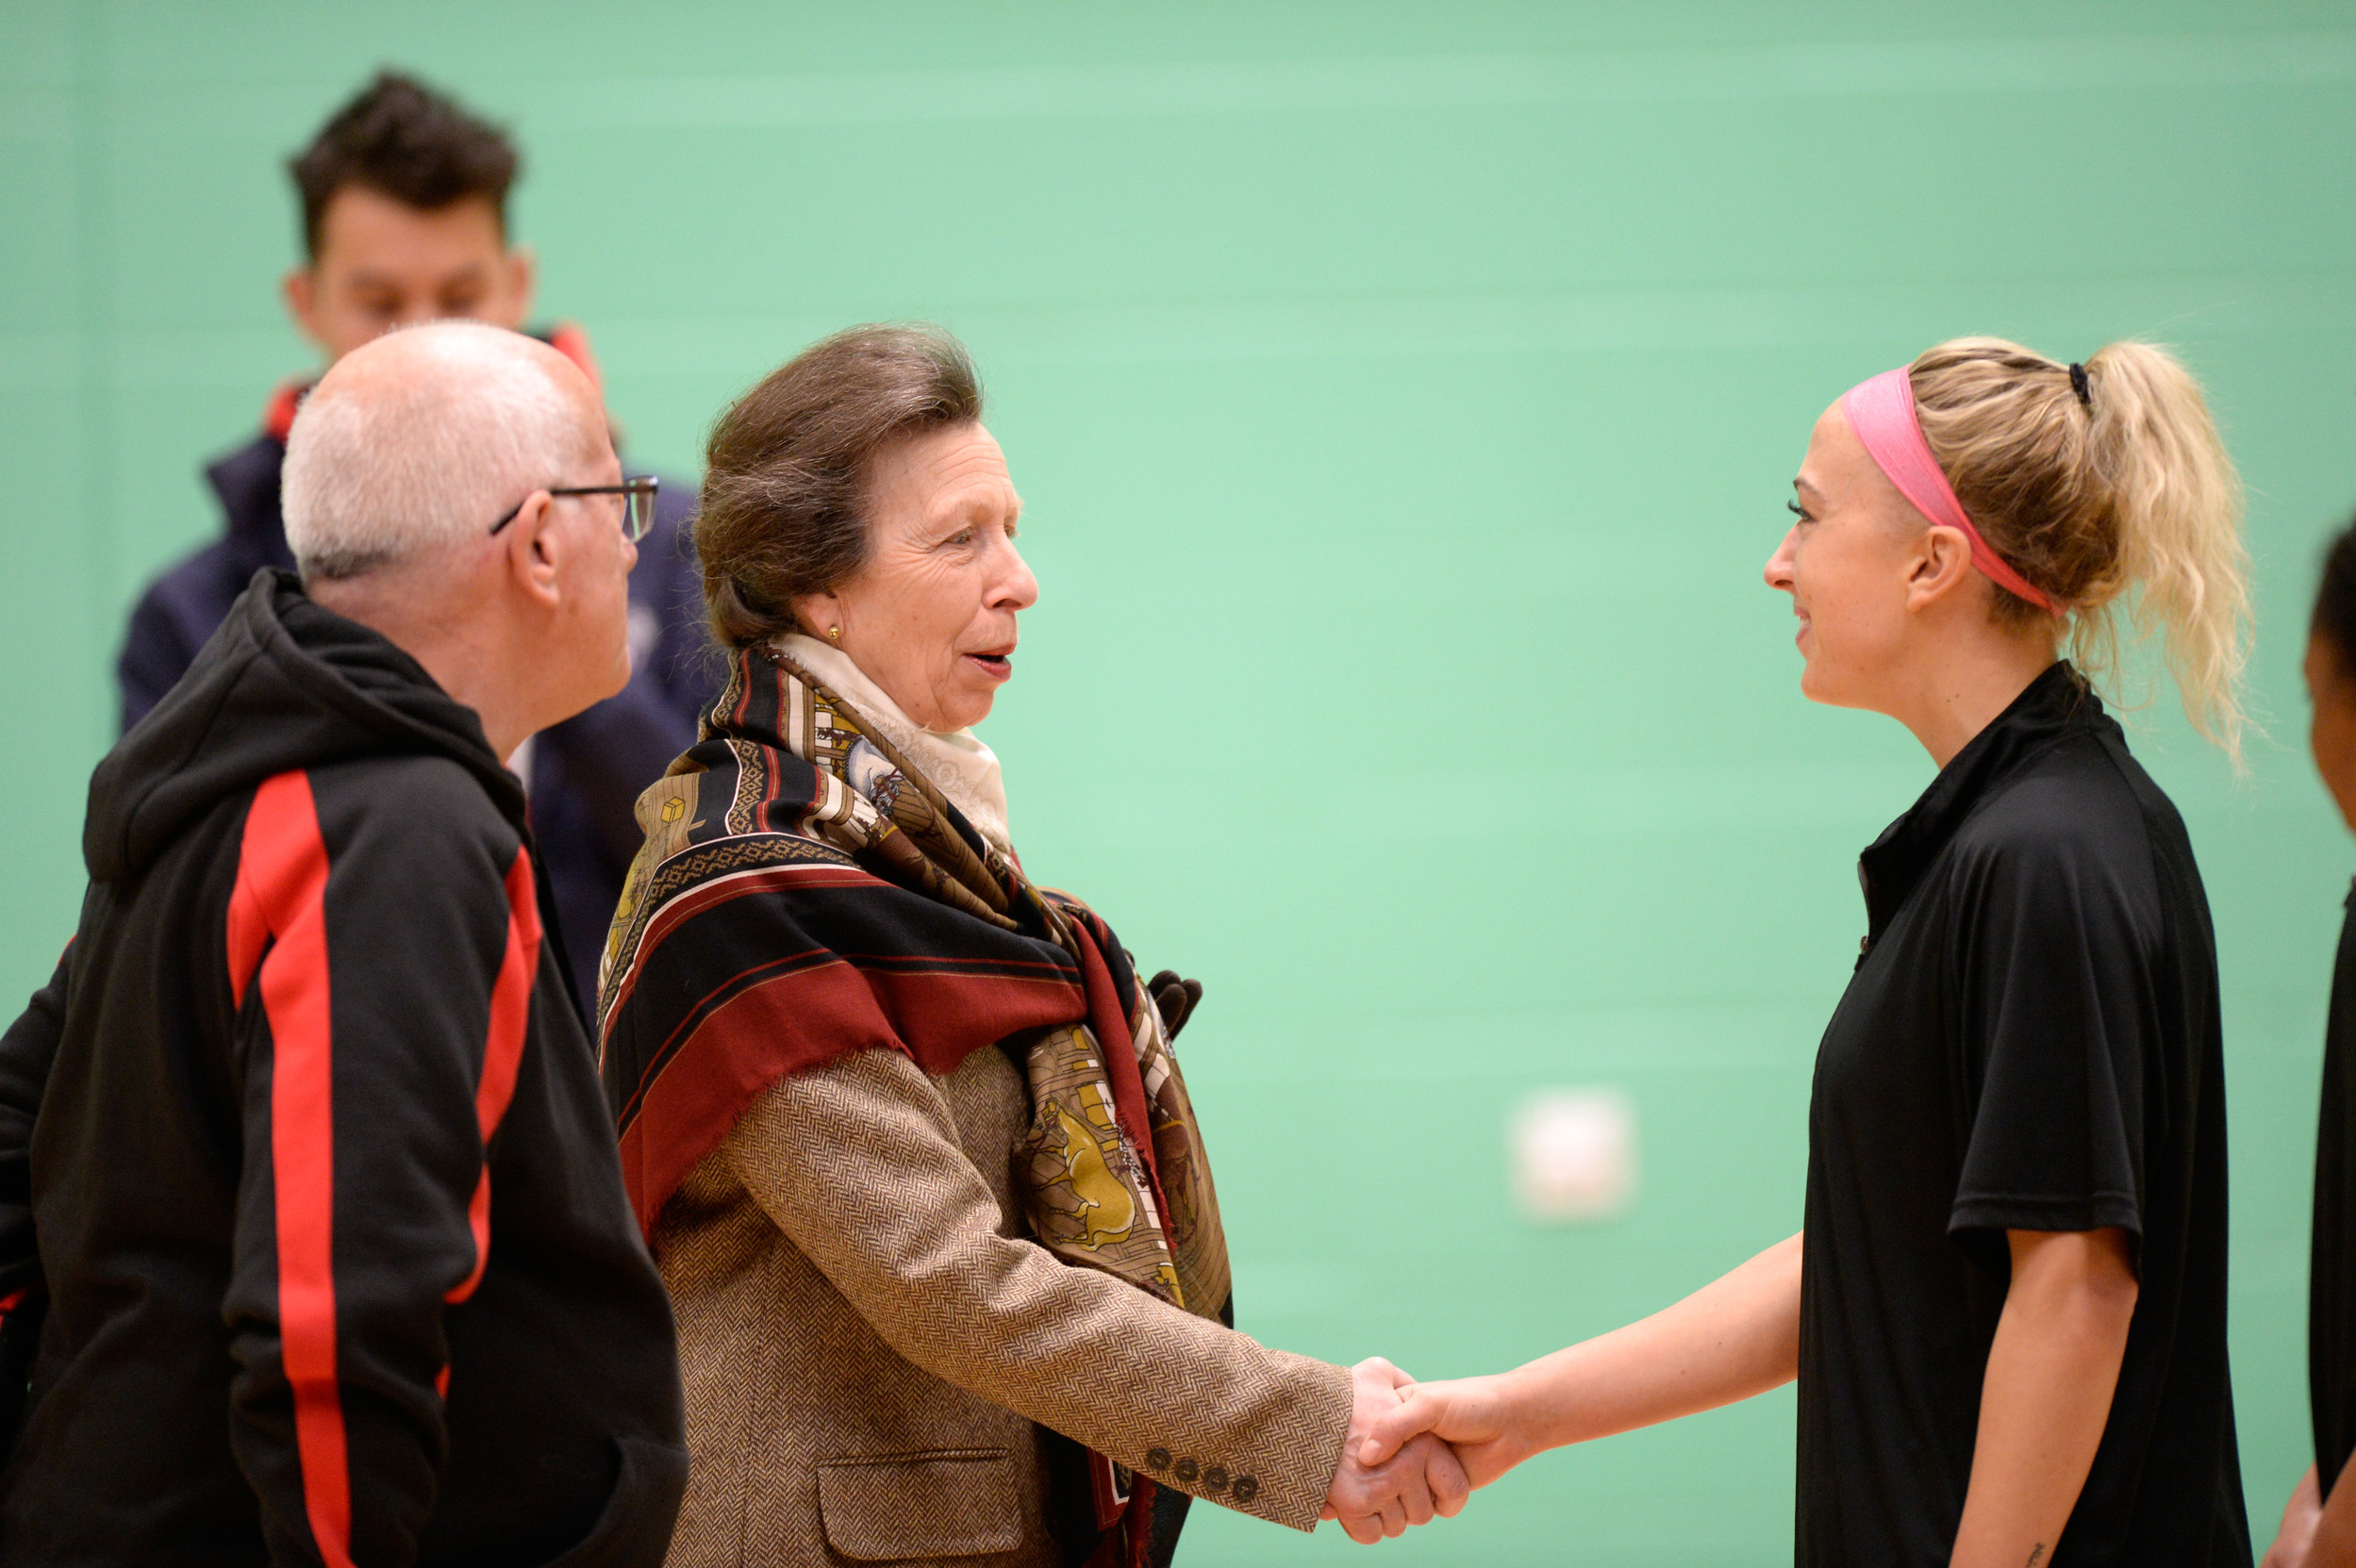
(2030, 1042)
(2332, 1272)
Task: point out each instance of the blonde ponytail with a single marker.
(2125, 487)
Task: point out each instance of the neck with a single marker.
(1961, 691)
(956, 763)
(461, 649)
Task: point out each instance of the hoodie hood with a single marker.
(283, 684)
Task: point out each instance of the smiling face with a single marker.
(383, 263)
(930, 617)
(1848, 563)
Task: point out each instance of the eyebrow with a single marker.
(467, 273)
(965, 515)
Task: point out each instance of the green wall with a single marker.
(1404, 398)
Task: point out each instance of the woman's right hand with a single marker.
(1475, 1416)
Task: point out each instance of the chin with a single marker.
(1819, 687)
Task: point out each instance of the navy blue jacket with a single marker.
(583, 775)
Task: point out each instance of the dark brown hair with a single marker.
(2334, 616)
(402, 140)
(785, 476)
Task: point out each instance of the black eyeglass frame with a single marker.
(637, 507)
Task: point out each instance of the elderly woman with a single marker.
(904, 1129)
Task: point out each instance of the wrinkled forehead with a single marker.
(954, 471)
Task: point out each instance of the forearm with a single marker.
(2046, 1396)
(919, 1255)
(1736, 1337)
(2334, 1544)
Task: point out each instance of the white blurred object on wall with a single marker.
(1575, 1154)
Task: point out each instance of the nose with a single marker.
(1779, 567)
(1013, 588)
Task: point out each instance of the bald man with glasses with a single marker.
(313, 1230)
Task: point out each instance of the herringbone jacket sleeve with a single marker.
(858, 1162)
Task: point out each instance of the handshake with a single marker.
(1396, 1469)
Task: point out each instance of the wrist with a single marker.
(1534, 1416)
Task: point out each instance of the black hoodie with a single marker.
(306, 1174)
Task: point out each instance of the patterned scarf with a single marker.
(805, 892)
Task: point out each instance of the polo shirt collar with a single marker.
(2058, 702)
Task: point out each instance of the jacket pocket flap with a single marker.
(949, 1502)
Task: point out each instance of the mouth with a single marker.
(997, 663)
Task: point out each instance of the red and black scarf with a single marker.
(805, 892)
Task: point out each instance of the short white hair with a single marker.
(391, 464)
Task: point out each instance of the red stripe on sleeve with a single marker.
(249, 933)
(503, 1054)
(282, 891)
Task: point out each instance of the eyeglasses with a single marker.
(638, 503)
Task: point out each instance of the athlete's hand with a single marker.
(1475, 1416)
(1414, 1482)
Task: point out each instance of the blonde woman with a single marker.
(2006, 1309)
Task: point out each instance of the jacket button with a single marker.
(1157, 1459)
(1185, 1471)
(1215, 1479)
(1247, 1488)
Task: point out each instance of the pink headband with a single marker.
(1882, 412)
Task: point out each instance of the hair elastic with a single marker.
(1882, 412)
(2077, 385)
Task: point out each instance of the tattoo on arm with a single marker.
(2036, 1555)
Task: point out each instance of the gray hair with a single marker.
(384, 467)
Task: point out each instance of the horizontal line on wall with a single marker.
(226, 106)
(1897, 316)
(1772, 71)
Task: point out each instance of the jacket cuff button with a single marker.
(1247, 1488)
(1157, 1459)
(1185, 1471)
(1215, 1479)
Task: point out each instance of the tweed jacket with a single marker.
(867, 1339)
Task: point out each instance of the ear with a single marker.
(300, 289)
(535, 551)
(522, 269)
(1939, 566)
(819, 612)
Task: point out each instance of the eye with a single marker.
(1799, 511)
(962, 537)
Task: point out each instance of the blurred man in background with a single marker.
(404, 198)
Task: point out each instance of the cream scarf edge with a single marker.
(956, 762)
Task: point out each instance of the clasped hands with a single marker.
(1393, 1473)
